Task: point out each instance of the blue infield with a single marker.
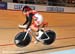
(70, 51)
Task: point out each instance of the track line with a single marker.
(33, 41)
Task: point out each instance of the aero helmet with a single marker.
(26, 8)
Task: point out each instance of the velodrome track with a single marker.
(62, 23)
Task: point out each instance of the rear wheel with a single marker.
(19, 39)
(51, 35)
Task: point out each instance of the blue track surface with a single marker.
(70, 51)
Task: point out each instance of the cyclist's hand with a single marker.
(22, 26)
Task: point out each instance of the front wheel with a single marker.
(51, 35)
(19, 39)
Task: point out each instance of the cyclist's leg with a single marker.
(37, 26)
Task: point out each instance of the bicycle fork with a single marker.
(26, 34)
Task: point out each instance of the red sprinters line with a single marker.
(33, 41)
(6, 44)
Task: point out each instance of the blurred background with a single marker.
(67, 3)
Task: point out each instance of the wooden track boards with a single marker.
(62, 23)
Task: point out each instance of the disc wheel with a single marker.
(51, 35)
(19, 39)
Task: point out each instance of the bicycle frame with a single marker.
(29, 30)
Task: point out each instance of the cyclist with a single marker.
(32, 15)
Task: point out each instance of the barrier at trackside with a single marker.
(18, 6)
(3, 5)
(15, 6)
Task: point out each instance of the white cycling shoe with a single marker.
(22, 26)
(38, 40)
(39, 37)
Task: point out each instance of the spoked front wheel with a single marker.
(19, 39)
(51, 35)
